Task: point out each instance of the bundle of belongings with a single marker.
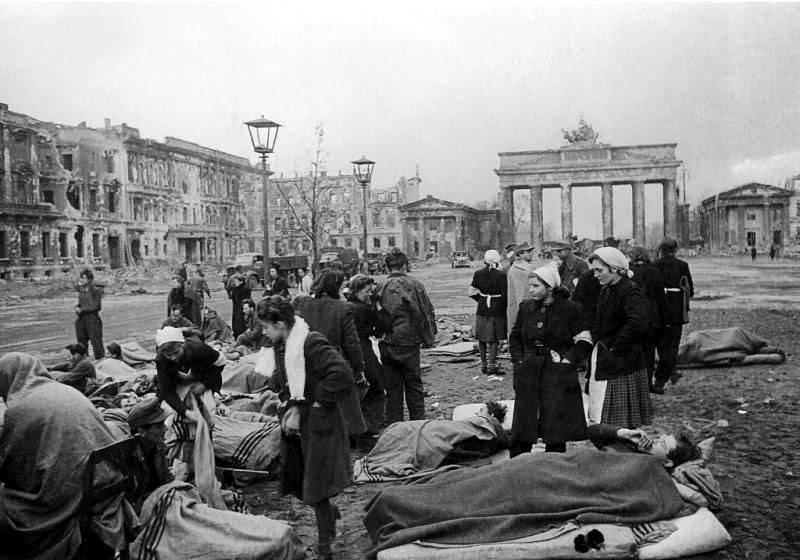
(408, 449)
(543, 505)
(724, 347)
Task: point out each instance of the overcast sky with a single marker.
(444, 85)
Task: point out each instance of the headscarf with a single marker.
(169, 334)
(20, 373)
(613, 258)
(549, 275)
(492, 258)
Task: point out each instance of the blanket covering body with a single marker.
(178, 525)
(716, 345)
(407, 448)
(523, 496)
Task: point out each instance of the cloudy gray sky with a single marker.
(445, 85)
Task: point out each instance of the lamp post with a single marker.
(362, 169)
(263, 133)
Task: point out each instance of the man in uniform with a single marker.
(88, 325)
(518, 281)
(570, 267)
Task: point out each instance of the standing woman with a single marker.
(490, 289)
(311, 379)
(369, 323)
(651, 286)
(238, 293)
(618, 392)
(198, 282)
(177, 296)
(328, 315)
(549, 338)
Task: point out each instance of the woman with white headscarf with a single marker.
(490, 289)
(618, 390)
(548, 340)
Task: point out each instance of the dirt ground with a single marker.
(756, 459)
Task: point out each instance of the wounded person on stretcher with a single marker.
(625, 482)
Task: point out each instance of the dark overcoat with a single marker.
(620, 327)
(237, 296)
(586, 293)
(570, 271)
(333, 319)
(491, 282)
(651, 286)
(321, 463)
(548, 401)
(673, 270)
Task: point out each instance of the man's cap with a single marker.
(509, 247)
(558, 245)
(146, 412)
(77, 348)
(522, 247)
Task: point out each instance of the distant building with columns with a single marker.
(585, 164)
(751, 215)
(435, 228)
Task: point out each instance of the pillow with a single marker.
(697, 533)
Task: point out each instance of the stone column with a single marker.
(507, 232)
(766, 224)
(670, 209)
(421, 238)
(537, 220)
(566, 211)
(637, 190)
(608, 210)
(740, 234)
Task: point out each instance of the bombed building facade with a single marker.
(73, 196)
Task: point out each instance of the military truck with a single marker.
(344, 257)
(254, 270)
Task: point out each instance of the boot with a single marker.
(657, 388)
(484, 369)
(494, 369)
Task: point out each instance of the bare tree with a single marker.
(308, 198)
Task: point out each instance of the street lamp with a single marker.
(263, 133)
(362, 169)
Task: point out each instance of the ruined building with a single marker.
(73, 196)
(339, 205)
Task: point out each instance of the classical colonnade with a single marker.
(584, 165)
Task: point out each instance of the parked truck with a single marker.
(344, 257)
(255, 271)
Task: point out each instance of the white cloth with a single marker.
(613, 258)
(492, 257)
(549, 274)
(169, 334)
(294, 358)
(595, 394)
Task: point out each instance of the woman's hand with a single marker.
(316, 404)
(290, 423)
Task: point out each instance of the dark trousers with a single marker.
(668, 344)
(89, 326)
(402, 378)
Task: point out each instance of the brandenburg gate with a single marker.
(585, 164)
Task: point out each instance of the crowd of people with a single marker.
(583, 337)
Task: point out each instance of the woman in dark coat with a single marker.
(368, 324)
(311, 379)
(490, 289)
(238, 293)
(651, 286)
(618, 389)
(547, 341)
(177, 297)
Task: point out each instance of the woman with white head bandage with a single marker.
(548, 340)
(617, 391)
(490, 289)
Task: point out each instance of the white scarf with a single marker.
(294, 359)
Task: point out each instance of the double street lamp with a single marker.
(362, 169)
(263, 133)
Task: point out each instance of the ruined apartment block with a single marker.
(342, 206)
(74, 196)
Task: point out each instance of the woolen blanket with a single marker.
(521, 497)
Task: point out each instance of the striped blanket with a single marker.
(177, 525)
(246, 445)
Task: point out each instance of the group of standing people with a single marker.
(610, 316)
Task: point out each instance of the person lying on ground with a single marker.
(46, 439)
(78, 370)
(114, 351)
(177, 320)
(672, 450)
(146, 420)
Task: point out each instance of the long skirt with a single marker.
(490, 329)
(627, 402)
(373, 405)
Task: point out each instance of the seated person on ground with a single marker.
(252, 339)
(78, 370)
(672, 450)
(215, 329)
(177, 320)
(146, 420)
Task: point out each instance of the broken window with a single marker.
(391, 241)
(109, 161)
(185, 215)
(277, 223)
(306, 244)
(137, 209)
(184, 187)
(376, 242)
(96, 245)
(47, 197)
(74, 195)
(25, 244)
(93, 200)
(348, 242)
(46, 244)
(3, 244)
(79, 241)
(277, 247)
(63, 251)
(66, 161)
(334, 242)
(348, 222)
(111, 201)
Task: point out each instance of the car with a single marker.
(461, 259)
